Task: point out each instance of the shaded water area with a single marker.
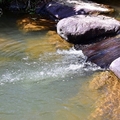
(41, 76)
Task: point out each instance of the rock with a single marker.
(59, 9)
(81, 29)
(115, 67)
(104, 52)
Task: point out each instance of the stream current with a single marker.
(40, 82)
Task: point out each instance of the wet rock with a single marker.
(60, 9)
(81, 29)
(104, 52)
(115, 67)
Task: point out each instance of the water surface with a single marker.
(40, 81)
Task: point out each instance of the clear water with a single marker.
(40, 82)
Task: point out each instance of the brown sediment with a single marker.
(49, 43)
(56, 40)
(108, 105)
(35, 24)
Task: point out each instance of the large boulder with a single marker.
(59, 9)
(103, 53)
(81, 29)
(115, 67)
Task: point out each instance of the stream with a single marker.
(39, 81)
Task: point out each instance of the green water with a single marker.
(40, 82)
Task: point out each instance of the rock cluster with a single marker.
(80, 24)
(97, 33)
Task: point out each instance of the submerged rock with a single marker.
(107, 105)
(115, 67)
(81, 29)
(59, 9)
(104, 53)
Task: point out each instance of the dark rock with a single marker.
(115, 67)
(59, 9)
(81, 29)
(104, 52)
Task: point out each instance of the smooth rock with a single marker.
(115, 67)
(81, 29)
(103, 53)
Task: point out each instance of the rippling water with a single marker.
(39, 81)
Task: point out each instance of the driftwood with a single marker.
(103, 53)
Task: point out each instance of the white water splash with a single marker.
(49, 67)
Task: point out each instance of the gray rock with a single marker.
(81, 29)
(115, 67)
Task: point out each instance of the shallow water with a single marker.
(40, 81)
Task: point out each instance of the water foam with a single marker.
(49, 67)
